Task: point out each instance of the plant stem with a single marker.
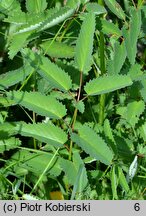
(103, 70)
(75, 114)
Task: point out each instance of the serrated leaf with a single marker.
(109, 134)
(116, 63)
(115, 7)
(95, 8)
(71, 168)
(73, 3)
(36, 6)
(12, 77)
(136, 73)
(17, 42)
(57, 49)
(36, 162)
(131, 35)
(92, 144)
(84, 45)
(7, 144)
(80, 186)
(8, 129)
(102, 85)
(57, 17)
(41, 104)
(80, 106)
(47, 133)
(48, 70)
(110, 28)
(134, 110)
(9, 5)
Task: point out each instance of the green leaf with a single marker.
(114, 182)
(12, 77)
(36, 162)
(80, 187)
(122, 180)
(36, 6)
(8, 129)
(110, 28)
(115, 7)
(9, 6)
(107, 84)
(84, 45)
(136, 72)
(44, 132)
(7, 144)
(109, 134)
(118, 59)
(41, 104)
(17, 42)
(73, 3)
(57, 17)
(57, 49)
(132, 112)
(57, 77)
(143, 89)
(80, 106)
(71, 168)
(131, 35)
(95, 8)
(92, 144)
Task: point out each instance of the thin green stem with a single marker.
(44, 172)
(75, 114)
(103, 70)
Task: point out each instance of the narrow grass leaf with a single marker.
(36, 162)
(114, 183)
(122, 180)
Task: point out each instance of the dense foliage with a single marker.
(72, 99)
